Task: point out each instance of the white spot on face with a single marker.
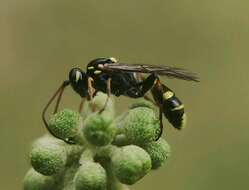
(78, 76)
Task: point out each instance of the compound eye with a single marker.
(78, 76)
(113, 60)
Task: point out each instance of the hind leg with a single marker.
(149, 83)
(161, 123)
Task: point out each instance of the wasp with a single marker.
(115, 78)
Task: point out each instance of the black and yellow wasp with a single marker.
(111, 77)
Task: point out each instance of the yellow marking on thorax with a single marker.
(178, 108)
(167, 95)
(91, 68)
(97, 72)
(101, 66)
(113, 59)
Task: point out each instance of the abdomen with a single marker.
(172, 107)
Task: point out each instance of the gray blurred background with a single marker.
(40, 40)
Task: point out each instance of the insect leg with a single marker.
(157, 93)
(109, 80)
(59, 100)
(90, 88)
(161, 123)
(148, 84)
(146, 97)
(81, 104)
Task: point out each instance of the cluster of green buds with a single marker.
(109, 152)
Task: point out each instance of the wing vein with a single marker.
(171, 72)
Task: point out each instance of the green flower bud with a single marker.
(159, 152)
(90, 176)
(121, 140)
(65, 124)
(99, 130)
(48, 157)
(130, 163)
(103, 157)
(36, 181)
(141, 125)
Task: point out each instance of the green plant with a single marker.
(109, 152)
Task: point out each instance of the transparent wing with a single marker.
(171, 72)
